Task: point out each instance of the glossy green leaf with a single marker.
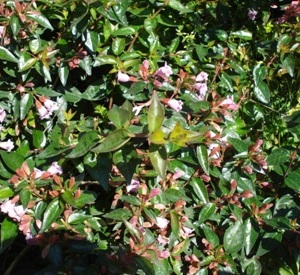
(114, 141)
(202, 156)
(119, 117)
(262, 92)
(15, 25)
(6, 192)
(12, 160)
(158, 157)
(86, 197)
(251, 234)
(5, 54)
(8, 233)
(199, 190)
(118, 45)
(234, 237)
(131, 200)
(68, 197)
(106, 59)
(87, 141)
(210, 235)
(28, 64)
(242, 34)
(25, 105)
(239, 145)
(91, 40)
(177, 5)
(259, 73)
(39, 209)
(124, 31)
(126, 160)
(40, 19)
(292, 180)
(156, 114)
(39, 138)
(207, 212)
(118, 214)
(51, 214)
(289, 64)
(278, 156)
(25, 196)
(63, 73)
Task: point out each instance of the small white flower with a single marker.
(202, 77)
(175, 104)
(55, 169)
(7, 145)
(51, 105)
(123, 77)
(164, 71)
(133, 186)
(252, 14)
(38, 173)
(162, 222)
(2, 115)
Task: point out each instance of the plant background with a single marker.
(203, 184)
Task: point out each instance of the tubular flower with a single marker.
(175, 104)
(164, 71)
(121, 77)
(55, 169)
(46, 110)
(2, 115)
(7, 145)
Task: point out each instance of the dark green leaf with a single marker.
(234, 237)
(202, 156)
(39, 18)
(156, 114)
(113, 141)
(239, 145)
(174, 223)
(25, 105)
(39, 138)
(119, 117)
(5, 54)
(6, 192)
(278, 156)
(199, 189)
(124, 31)
(85, 143)
(262, 92)
(68, 197)
(8, 233)
(251, 233)
(118, 214)
(158, 157)
(63, 73)
(86, 197)
(206, 212)
(292, 180)
(13, 160)
(259, 73)
(52, 213)
(242, 34)
(25, 196)
(118, 45)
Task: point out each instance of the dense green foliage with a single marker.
(149, 137)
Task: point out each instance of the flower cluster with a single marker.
(46, 107)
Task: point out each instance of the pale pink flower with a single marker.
(202, 77)
(38, 172)
(178, 174)
(146, 64)
(164, 71)
(252, 14)
(163, 254)
(47, 109)
(162, 222)
(154, 192)
(133, 186)
(186, 231)
(202, 89)
(2, 115)
(51, 105)
(163, 240)
(13, 211)
(55, 169)
(7, 145)
(175, 104)
(123, 77)
(229, 103)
